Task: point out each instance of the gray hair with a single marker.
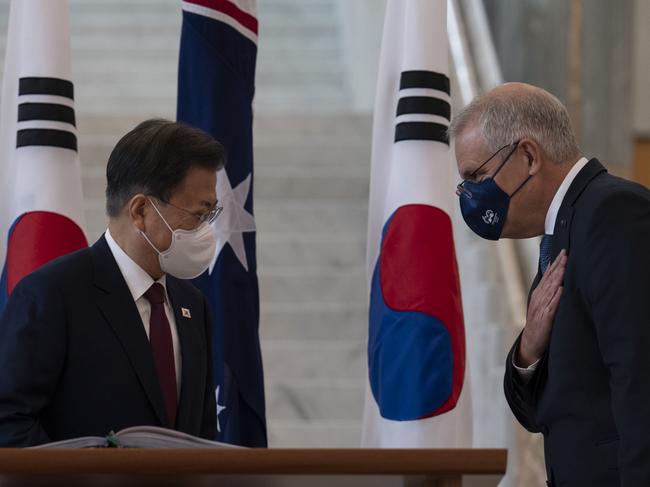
(504, 117)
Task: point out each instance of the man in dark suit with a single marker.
(112, 336)
(579, 372)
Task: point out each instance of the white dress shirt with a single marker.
(549, 228)
(138, 282)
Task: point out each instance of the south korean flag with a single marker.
(41, 204)
(418, 392)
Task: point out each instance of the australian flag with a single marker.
(216, 85)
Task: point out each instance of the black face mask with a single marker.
(484, 205)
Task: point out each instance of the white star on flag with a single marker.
(219, 408)
(234, 220)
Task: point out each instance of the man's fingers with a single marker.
(553, 268)
(559, 265)
(544, 294)
(556, 263)
(546, 280)
(553, 279)
(547, 290)
(553, 304)
(558, 277)
(555, 273)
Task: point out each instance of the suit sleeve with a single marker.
(32, 354)
(209, 422)
(521, 393)
(617, 269)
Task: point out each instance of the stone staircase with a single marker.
(311, 204)
(300, 64)
(312, 161)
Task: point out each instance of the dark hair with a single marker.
(154, 158)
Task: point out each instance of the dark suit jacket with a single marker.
(590, 394)
(75, 359)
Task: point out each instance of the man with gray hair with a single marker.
(579, 373)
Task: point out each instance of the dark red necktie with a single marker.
(160, 337)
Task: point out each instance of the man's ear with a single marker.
(137, 209)
(533, 154)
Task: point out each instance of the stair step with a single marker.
(315, 434)
(330, 399)
(314, 359)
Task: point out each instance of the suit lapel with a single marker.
(118, 308)
(562, 230)
(191, 347)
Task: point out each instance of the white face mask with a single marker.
(190, 252)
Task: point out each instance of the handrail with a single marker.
(477, 69)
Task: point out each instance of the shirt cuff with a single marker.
(525, 373)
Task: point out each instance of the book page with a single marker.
(82, 442)
(155, 437)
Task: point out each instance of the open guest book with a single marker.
(139, 437)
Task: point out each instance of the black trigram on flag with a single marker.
(46, 113)
(423, 109)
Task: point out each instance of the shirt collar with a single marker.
(551, 214)
(137, 279)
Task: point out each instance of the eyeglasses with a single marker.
(207, 217)
(460, 189)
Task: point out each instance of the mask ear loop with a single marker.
(160, 215)
(507, 158)
(504, 163)
(521, 186)
(149, 242)
(164, 221)
(525, 181)
(492, 157)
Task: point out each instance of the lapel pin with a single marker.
(186, 313)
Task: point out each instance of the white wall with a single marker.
(641, 68)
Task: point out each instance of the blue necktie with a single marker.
(545, 249)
